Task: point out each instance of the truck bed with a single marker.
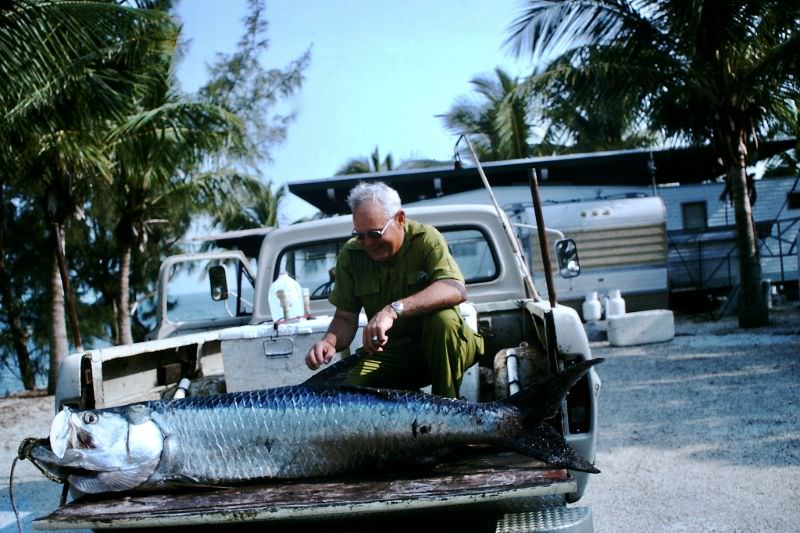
(478, 481)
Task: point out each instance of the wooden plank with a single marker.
(483, 479)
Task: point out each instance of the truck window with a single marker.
(473, 254)
(312, 265)
(189, 298)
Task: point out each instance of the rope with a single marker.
(11, 495)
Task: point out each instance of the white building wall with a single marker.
(771, 197)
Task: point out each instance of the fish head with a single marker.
(106, 449)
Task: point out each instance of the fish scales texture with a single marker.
(297, 431)
(292, 432)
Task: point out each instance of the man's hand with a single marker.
(340, 333)
(376, 331)
(320, 354)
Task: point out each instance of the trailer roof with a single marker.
(623, 167)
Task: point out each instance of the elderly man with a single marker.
(403, 276)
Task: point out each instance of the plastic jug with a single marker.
(591, 308)
(285, 298)
(615, 305)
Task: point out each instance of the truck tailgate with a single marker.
(501, 481)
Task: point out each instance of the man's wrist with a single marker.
(328, 340)
(398, 308)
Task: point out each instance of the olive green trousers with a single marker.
(441, 348)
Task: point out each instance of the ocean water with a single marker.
(10, 382)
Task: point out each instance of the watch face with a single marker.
(398, 308)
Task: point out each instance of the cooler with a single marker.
(263, 356)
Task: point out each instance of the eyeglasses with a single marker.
(373, 234)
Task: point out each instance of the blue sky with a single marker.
(380, 71)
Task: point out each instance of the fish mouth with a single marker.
(38, 452)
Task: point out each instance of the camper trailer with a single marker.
(622, 240)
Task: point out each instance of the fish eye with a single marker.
(89, 418)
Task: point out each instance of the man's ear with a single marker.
(401, 217)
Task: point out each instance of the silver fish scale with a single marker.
(297, 431)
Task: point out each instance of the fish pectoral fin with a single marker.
(546, 444)
(113, 480)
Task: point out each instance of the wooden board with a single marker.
(484, 479)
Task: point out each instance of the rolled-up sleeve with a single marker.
(439, 263)
(343, 294)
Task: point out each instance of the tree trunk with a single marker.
(16, 329)
(753, 310)
(69, 298)
(126, 336)
(58, 326)
(115, 337)
(12, 307)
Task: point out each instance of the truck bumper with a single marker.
(560, 519)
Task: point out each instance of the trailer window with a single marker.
(694, 215)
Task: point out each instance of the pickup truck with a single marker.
(224, 338)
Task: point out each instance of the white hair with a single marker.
(377, 192)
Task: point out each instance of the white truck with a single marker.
(225, 339)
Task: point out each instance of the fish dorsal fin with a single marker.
(541, 400)
(337, 374)
(382, 394)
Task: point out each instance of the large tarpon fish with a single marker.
(292, 432)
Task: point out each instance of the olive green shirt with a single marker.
(364, 283)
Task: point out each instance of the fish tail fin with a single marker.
(544, 443)
(536, 404)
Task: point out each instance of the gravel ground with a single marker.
(701, 433)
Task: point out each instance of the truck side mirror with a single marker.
(569, 266)
(218, 279)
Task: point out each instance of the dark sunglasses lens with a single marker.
(372, 234)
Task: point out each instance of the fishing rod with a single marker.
(518, 255)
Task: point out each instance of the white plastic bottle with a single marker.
(285, 298)
(615, 305)
(591, 308)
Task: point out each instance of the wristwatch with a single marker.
(398, 307)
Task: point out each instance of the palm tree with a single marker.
(721, 73)
(364, 165)
(67, 69)
(498, 118)
(151, 147)
(585, 111)
(255, 207)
